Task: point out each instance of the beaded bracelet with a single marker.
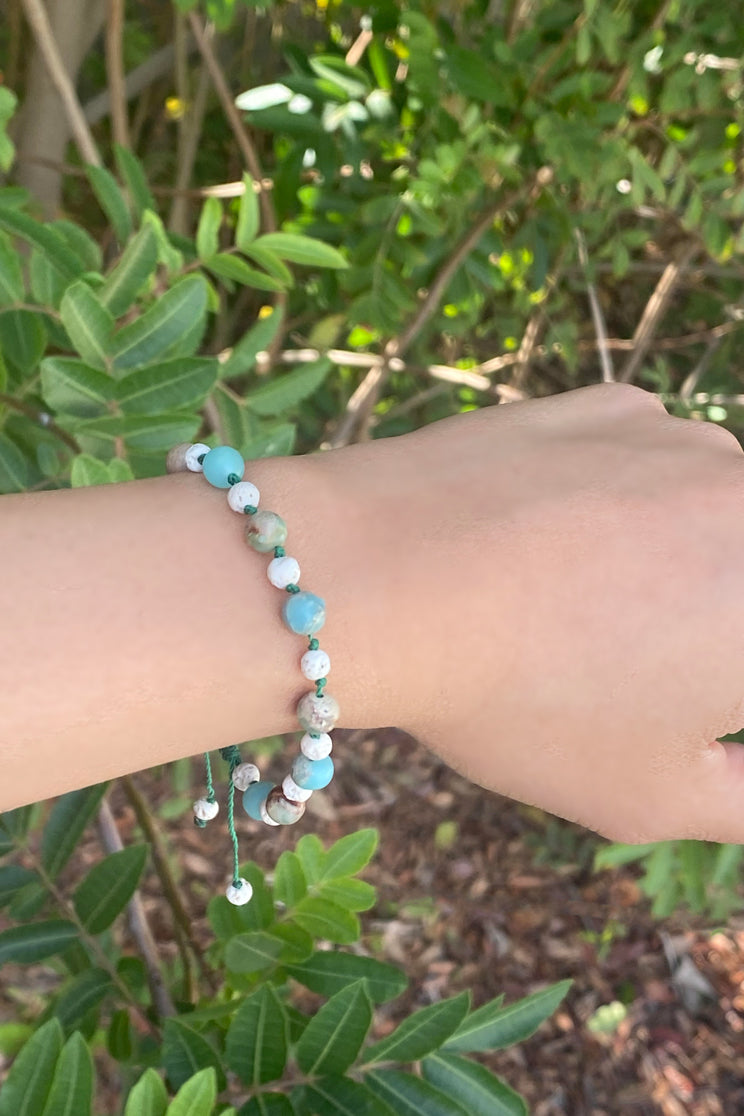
(303, 613)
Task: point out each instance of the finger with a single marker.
(711, 804)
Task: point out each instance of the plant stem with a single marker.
(115, 71)
(69, 910)
(39, 22)
(138, 924)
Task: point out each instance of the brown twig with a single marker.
(182, 921)
(203, 39)
(654, 311)
(138, 923)
(115, 72)
(600, 328)
(361, 404)
(38, 20)
(189, 131)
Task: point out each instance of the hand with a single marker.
(550, 594)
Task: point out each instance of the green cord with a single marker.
(232, 755)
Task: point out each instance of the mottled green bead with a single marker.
(317, 713)
(281, 810)
(265, 531)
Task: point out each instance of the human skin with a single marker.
(548, 594)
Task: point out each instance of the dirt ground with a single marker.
(466, 900)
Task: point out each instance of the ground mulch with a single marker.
(478, 892)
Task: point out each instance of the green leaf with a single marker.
(288, 389)
(297, 944)
(334, 1036)
(22, 339)
(72, 1088)
(408, 1095)
(353, 895)
(615, 855)
(28, 902)
(148, 1097)
(83, 993)
(256, 340)
(197, 1096)
(422, 1032)
(258, 1039)
(12, 878)
(350, 79)
(11, 277)
(136, 264)
(111, 200)
(132, 172)
(268, 1104)
(168, 255)
(48, 240)
(88, 323)
(479, 1091)
(349, 855)
(325, 920)
(248, 215)
(67, 821)
(181, 384)
(14, 471)
(108, 887)
(290, 884)
(16, 823)
(227, 920)
(145, 433)
(252, 952)
(70, 386)
(27, 1086)
(276, 441)
(492, 1027)
(270, 262)
(338, 1096)
(119, 1039)
(327, 971)
(47, 285)
(81, 243)
(302, 250)
(185, 1052)
(312, 856)
(152, 336)
(36, 940)
(208, 230)
(225, 266)
(87, 471)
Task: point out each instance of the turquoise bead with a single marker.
(312, 774)
(304, 613)
(254, 798)
(220, 463)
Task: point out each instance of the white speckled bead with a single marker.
(192, 455)
(293, 792)
(244, 775)
(240, 495)
(205, 810)
(265, 817)
(239, 896)
(317, 714)
(283, 571)
(175, 462)
(316, 749)
(315, 665)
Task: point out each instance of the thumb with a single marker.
(711, 806)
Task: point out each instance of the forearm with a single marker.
(137, 626)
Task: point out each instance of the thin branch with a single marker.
(605, 360)
(356, 51)
(655, 309)
(68, 909)
(182, 920)
(115, 72)
(245, 143)
(189, 133)
(38, 21)
(361, 404)
(138, 924)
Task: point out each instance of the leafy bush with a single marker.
(245, 1042)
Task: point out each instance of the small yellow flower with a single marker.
(175, 108)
